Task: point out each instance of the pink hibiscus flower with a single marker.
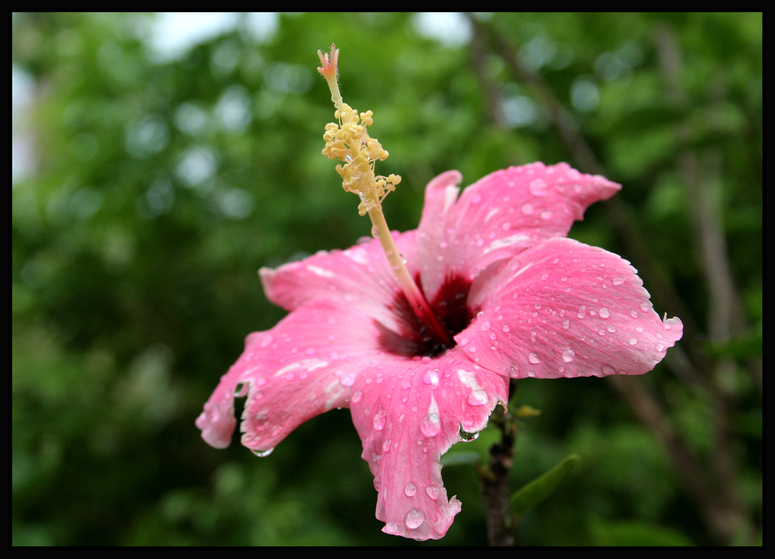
(515, 298)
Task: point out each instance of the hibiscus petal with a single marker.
(499, 216)
(359, 277)
(408, 413)
(565, 309)
(302, 367)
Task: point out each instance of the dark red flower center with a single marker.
(417, 339)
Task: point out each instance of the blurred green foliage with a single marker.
(151, 188)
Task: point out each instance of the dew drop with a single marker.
(431, 378)
(379, 421)
(568, 355)
(467, 437)
(430, 425)
(633, 341)
(477, 398)
(618, 280)
(241, 389)
(386, 445)
(660, 347)
(582, 311)
(538, 187)
(566, 324)
(528, 209)
(261, 453)
(533, 358)
(414, 518)
(608, 370)
(433, 492)
(604, 313)
(356, 397)
(410, 489)
(348, 379)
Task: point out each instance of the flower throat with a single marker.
(349, 142)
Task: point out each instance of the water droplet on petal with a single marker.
(266, 341)
(568, 355)
(430, 425)
(433, 492)
(241, 389)
(618, 280)
(261, 453)
(478, 398)
(379, 421)
(604, 313)
(608, 370)
(633, 341)
(467, 437)
(356, 397)
(386, 445)
(538, 187)
(533, 358)
(414, 518)
(410, 489)
(582, 311)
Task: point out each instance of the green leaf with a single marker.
(540, 488)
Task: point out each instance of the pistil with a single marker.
(350, 143)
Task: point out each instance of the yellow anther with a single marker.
(349, 142)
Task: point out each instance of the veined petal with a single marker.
(565, 309)
(359, 277)
(408, 412)
(499, 216)
(302, 367)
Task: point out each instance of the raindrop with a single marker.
(241, 389)
(410, 489)
(538, 187)
(431, 425)
(375, 232)
(261, 453)
(356, 397)
(566, 324)
(414, 518)
(467, 437)
(604, 313)
(582, 311)
(528, 209)
(567, 355)
(379, 421)
(660, 347)
(618, 280)
(633, 341)
(433, 492)
(477, 398)
(533, 358)
(348, 379)
(386, 445)
(608, 370)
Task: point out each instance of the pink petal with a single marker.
(499, 216)
(408, 413)
(565, 309)
(302, 367)
(359, 277)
